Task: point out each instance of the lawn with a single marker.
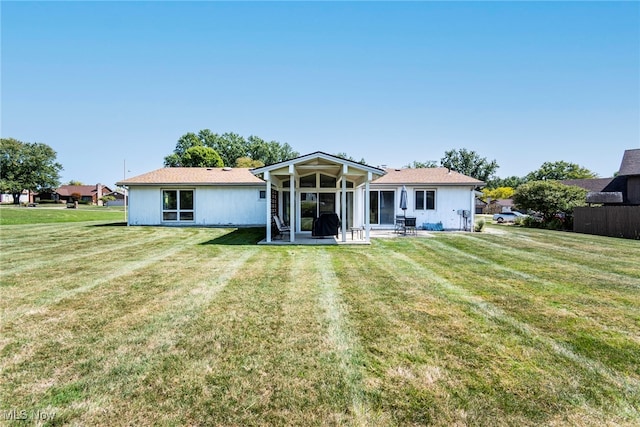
(11, 214)
(110, 325)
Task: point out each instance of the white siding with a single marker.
(449, 199)
(145, 206)
(220, 206)
(230, 206)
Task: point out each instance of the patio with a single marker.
(307, 239)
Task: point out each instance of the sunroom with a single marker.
(304, 188)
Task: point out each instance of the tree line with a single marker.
(209, 149)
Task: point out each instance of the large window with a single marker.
(425, 200)
(177, 205)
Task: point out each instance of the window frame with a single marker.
(425, 199)
(178, 210)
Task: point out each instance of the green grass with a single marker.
(12, 215)
(109, 325)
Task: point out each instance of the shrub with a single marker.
(479, 226)
(532, 222)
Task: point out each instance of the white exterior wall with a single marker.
(449, 199)
(219, 206)
(145, 205)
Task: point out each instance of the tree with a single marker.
(247, 162)
(510, 181)
(108, 198)
(417, 165)
(560, 170)
(497, 193)
(74, 182)
(231, 147)
(549, 198)
(27, 166)
(351, 159)
(469, 163)
(201, 157)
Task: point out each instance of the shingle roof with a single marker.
(630, 163)
(228, 176)
(598, 185)
(426, 176)
(83, 190)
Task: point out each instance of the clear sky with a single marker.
(519, 82)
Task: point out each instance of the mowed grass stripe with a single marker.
(402, 378)
(36, 236)
(57, 282)
(580, 319)
(619, 271)
(342, 339)
(77, 252)
(136, 324)
(256, 356)
(501, 343)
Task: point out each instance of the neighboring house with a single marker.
(499, 206)
(120, 197)
(623, 189)
(25, 197)
(88, 193)
(298, 191)
(619, 215)
(481, 205)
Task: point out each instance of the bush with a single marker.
(532, 222)
(479, 226)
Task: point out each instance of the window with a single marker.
(308, 181)
(327, 181)
(263, 194)
(425, 200)
(177, 205)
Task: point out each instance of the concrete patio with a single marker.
(307, 239)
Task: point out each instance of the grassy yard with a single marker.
(111, 325)
(11, 215)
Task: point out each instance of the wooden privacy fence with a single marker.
(613, 221)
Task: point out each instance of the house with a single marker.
(25, 197)
(88, 193)
(623, 189)
(196, 196)
(119, 195)
(435, 195)
(499, 206)
(298, 191)
(619, 197)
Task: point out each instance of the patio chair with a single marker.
(399, 224)
(282, 229)
(410, 226)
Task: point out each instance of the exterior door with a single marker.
(382, 207)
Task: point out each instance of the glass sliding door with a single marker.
(382, 207)
(387, 207)
(327, 203)
(373, 207)
(308, 210)
(312, 205)
(349, 209)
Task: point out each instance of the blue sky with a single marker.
(519, 82)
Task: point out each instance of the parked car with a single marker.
(507, 216)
